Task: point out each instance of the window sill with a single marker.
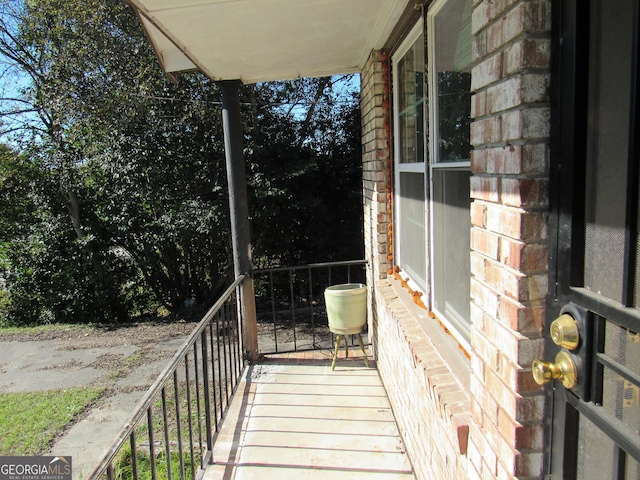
(437, 353)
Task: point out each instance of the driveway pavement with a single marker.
(124, 360)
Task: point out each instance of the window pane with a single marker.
(410, 77)
(412, 227)
(452, 25)
(452, 246)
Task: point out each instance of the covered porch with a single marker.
(214, 414)
(293, 417)
(222, 408)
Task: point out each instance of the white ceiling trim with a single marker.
(172, 55)
(261, 40)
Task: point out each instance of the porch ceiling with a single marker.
(263, 40)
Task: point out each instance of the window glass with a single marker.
(409, 120)
(451, 238)
(445, 274)
(449, 25)
(410, 80)
(412, 227)
(452, 52)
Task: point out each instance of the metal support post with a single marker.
(239, 209)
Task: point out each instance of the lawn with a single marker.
(29, 421)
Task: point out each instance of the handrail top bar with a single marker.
(149, 397)
(311, 265)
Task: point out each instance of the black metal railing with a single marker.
(170, 434)
(290, 305)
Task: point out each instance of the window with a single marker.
(432, 229)
(449, 26)
(410, 157)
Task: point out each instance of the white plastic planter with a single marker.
(346, 308)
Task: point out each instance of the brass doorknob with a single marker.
(564, 368)
(564, 332)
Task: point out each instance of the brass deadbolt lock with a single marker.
(564, 332)
(564, 369)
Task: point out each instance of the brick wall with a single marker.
(375, 175)
(502, 409)
(431, 407)
(509, 194)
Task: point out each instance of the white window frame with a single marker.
(430, 164)
(436, 164)
(415, 167)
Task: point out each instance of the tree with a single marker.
(132, 159)
(305, 163)
(128, 189)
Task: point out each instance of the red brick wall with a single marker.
(431, 407)
(509, 191)
(502, 408)
(376, 176)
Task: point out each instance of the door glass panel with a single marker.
(597, 453)
(622, 345)
(608, 146)
(620, 395)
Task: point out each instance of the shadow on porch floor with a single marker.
(292, 417)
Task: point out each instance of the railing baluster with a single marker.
(167, 445)
(232, 354)
(134, 454)
(216, 404)
(152, 454)
(238, 337)
(273, 312)
(239, 308)
(313, 323)
(220, 387)
(205, 390)
(190, 414)
(176, 399)
(293, 309)
(225, 340)
(199, 410)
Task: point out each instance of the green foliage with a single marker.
(455, 115)
(306, 184)
(29, 421)
(114, 200)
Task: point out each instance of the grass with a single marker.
(39, 329)
(29, 421)
(123, 469)
(123, 464)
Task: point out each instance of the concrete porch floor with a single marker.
(292, 417)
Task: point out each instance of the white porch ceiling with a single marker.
(263, 40)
